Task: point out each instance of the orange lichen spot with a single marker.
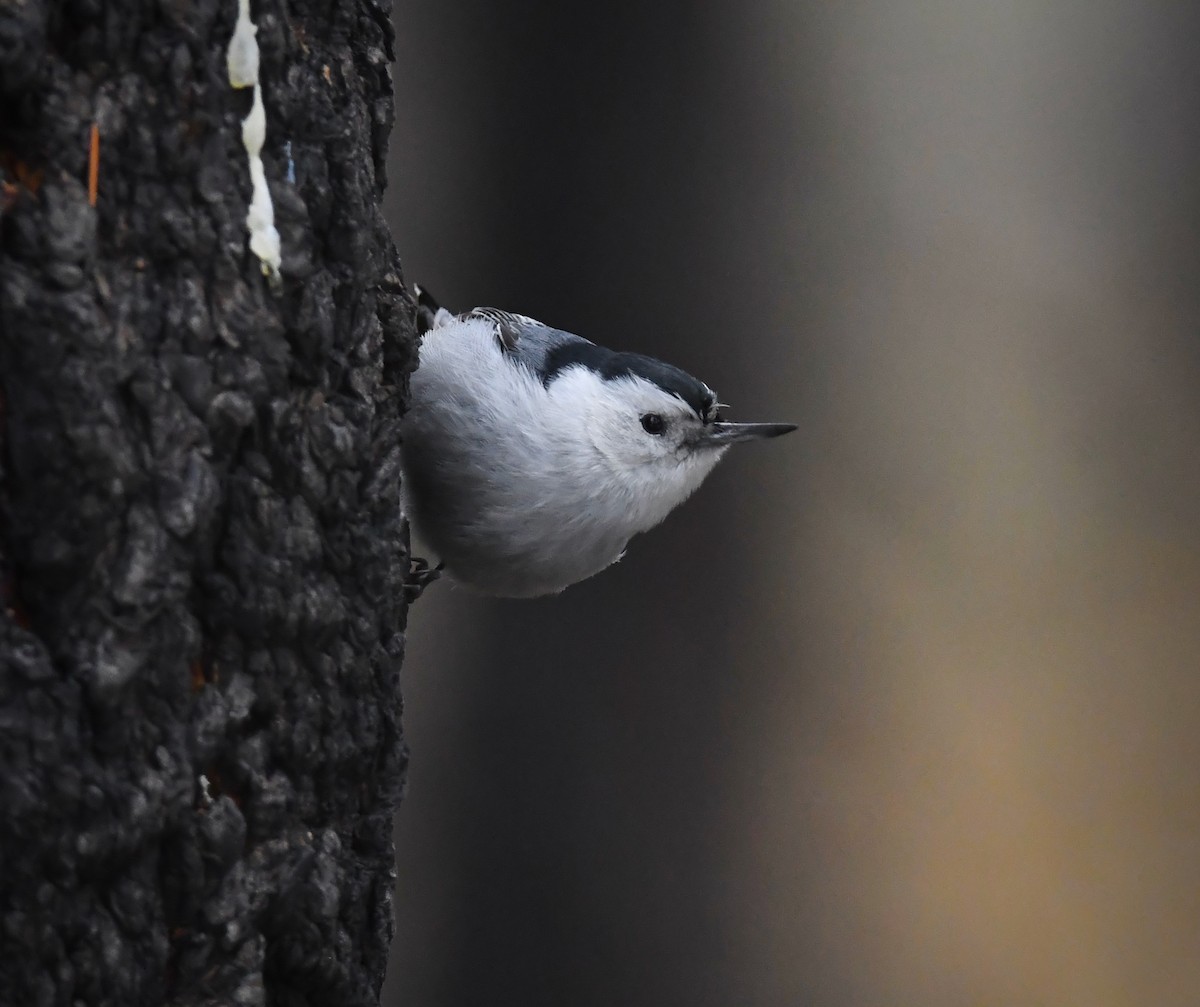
(94, 165)
(16, 177)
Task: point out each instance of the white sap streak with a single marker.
(242, 58)
(242, 63)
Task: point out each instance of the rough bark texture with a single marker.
(203, 556)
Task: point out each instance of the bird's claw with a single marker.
(420, 576)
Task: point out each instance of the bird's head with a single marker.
(658, 429)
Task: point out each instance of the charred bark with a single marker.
(201, 546)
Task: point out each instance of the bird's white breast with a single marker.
(502, 480)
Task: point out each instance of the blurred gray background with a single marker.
(902, 709)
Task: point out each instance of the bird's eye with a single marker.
(653, 423)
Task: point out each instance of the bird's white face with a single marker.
(647, 426)
(653, 444)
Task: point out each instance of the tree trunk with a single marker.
(202, 550)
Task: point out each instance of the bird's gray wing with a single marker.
(524, 340)
(531, 343)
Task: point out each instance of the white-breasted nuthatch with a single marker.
(531, 456)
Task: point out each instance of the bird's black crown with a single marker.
(611, 365)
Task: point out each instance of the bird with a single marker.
(530, 456)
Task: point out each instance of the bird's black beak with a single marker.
(722, 434)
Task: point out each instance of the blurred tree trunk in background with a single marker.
(201, 548)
